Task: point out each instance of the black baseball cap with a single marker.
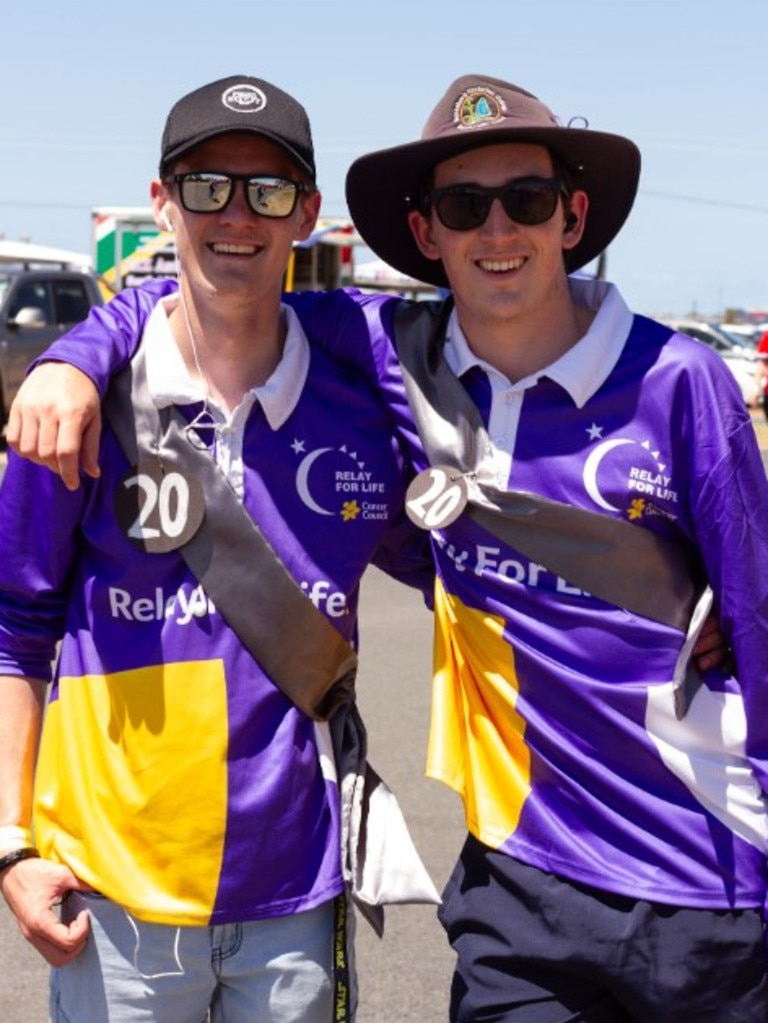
(238, 103)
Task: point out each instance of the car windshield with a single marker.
(736, 339)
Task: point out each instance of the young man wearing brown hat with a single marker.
(615, 866)
(586, 474)
(186, 810)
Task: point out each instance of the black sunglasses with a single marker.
(525, 200)
(211, 192)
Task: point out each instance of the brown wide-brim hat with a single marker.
(480, 111)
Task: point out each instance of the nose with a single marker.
(238, 207)
(497, 221)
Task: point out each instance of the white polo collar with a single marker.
(170, 383)
(585, 367)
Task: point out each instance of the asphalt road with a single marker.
(405, 975)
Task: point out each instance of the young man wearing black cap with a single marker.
(186, 811)
(615, 867)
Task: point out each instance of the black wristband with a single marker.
(27, 853)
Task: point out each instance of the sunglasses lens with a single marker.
(209, 193)
(526, 201)
(530, 202)
(204, 193)
(272, 197)
(462, 210)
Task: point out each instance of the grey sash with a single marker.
(293, 642)
(622, 564)
(237, 568)
(609, 558)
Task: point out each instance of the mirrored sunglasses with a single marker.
(527, 201)
(211, 192)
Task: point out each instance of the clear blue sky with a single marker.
(86, 87)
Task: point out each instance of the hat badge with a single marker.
(477, 107)
(244, 98)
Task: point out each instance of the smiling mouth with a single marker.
(500, 266)
(230, 249)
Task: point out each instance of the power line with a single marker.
(706, 202)
(29, 204)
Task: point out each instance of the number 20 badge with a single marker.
(436, 497)
(157, 507)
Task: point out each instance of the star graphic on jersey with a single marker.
(353, 455)
(595, 432)
(656, 455)
(298, 447)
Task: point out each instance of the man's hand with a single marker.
(32, 888)
(55, 421)
(710, 650)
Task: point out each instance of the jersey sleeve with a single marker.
(36, 565)
(104, 343)
(406, 555)
(357, 330)
(732, 527)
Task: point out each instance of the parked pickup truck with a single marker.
(36, 306)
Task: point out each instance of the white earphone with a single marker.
(166, 221)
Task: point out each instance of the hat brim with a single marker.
(381, 185)
(184, 147)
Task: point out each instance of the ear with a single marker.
(309, 206)
(423, 235)
(575, 217)
(161, 199)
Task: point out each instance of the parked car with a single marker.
(737, 352)
(36, 306)
(749, 332)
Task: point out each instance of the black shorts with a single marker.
(533, 946)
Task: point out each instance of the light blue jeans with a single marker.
(281, 970)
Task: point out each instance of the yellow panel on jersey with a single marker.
(476, 742)
(123, 756)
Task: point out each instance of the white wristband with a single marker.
(13, 836)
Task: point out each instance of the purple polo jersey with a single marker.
(174, 777)
(553, 711)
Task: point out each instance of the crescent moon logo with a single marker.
(302, 481)
(591, 467)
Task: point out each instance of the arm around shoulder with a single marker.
(55, 420)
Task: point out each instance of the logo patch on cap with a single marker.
(477, 107)
(244, 99)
